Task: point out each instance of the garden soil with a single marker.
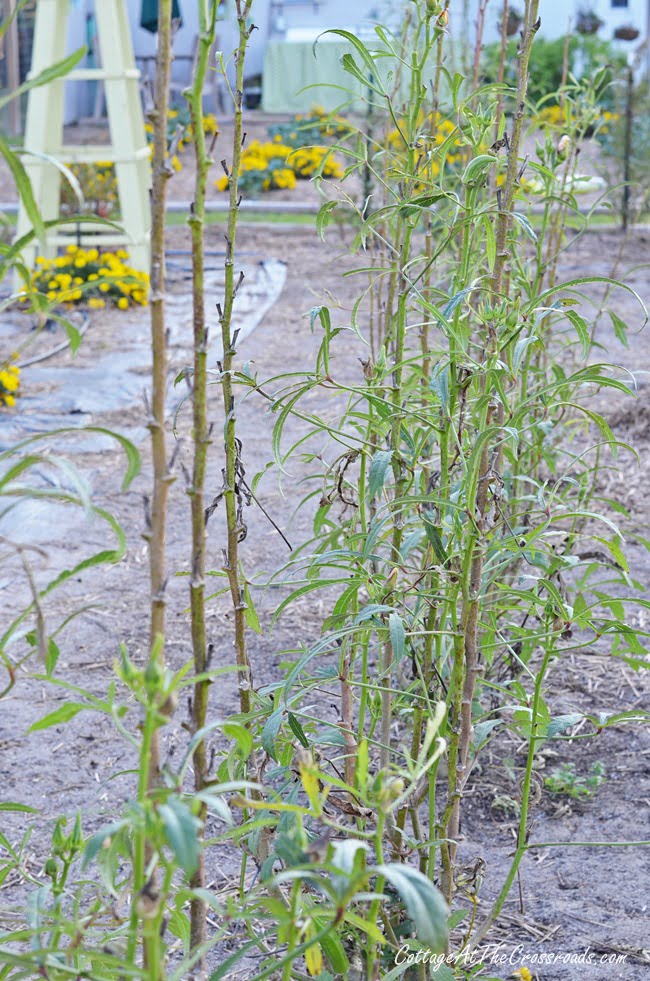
(578, 900)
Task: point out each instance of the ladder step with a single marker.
(99, 75)
(92, 153)
(116, 68)
(93, 239)
(95, 74)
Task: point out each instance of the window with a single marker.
(619, 3)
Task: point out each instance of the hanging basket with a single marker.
(588, 22)
(513, 23)
(626, 33)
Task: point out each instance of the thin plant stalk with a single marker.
(157, 519)
(522, 834)
(466, 663)
(201, 441)
(232, 444)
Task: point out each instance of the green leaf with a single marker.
(454, 82)
(12, 806)
(440, 385)
(96, 842)
(323, 314)
(370, 612)
(217, 805)
(179, 926)
(270, 732)
(581, 330)
(323, 218)
(457, 917)
(332, 947)
(605, 719)
(250, 613)
(616, 551)
(297, 729)
(542, 300)
(130, 449)
(350, 66)
(241, 735)
(482, 731)
(181, 830)
(51, 656)
(424, 903)
(48, 75)
(562, 722)
(365, 55)
(346, 857)
(24, 188)
(420, 201)
(377, 473)
(435, 539)
(61, 715)
(490, 242)
(442, 972)
(620, 328)
(74, 336)
(397, 635)
(478, 169)
(371, 929)
(521, 347)
(525, 224)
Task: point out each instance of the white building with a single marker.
(277, 19)
(559, 16)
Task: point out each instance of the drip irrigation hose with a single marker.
(55, 350)
(86, 320)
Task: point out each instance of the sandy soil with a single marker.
(572, 898)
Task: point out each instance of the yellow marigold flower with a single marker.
(41, 260)
(9, 400)
(60, 262)
(77, 280)
(104, 287)
(76, 295)
(96, 303)
(52, 295)
(52, 285)
(92, 277)
(123, 303)
(71, 249)
(210, 123)
(523, 974)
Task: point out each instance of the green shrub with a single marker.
(585, 56)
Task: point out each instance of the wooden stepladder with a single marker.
(127, 150)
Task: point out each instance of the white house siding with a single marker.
(558, 15)
(270, 16)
